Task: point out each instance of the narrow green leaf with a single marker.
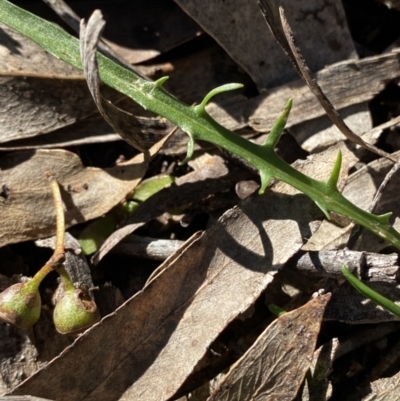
(334, 177)
(151, 186)
(370, 293)
(220, 89)
(276, 310)
(275, 134)
(95, 233)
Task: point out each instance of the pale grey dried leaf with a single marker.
(368, 77)
(328, 236)
(33, 106)
(26, 204)
(23, 57)
(240, 29)
(385, 389)
(175, 318)
(349, 306)
(44, 94)
(96, 130)
(146, 247)
(319, 133)
(31, 85)
(275, 366)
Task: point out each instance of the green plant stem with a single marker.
(196, 122)
(370, 293)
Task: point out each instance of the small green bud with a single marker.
(20, 304)
(75, 312)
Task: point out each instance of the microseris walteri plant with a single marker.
(198, 124)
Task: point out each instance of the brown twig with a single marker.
(284, 36)
(383, 185)
(332, 113)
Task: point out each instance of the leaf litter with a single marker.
(88, 192)
(238, 255)
(165, 330)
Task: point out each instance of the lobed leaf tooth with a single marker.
(220, 89)
(277, 130)
(265, 180)
(335, 174)
(190, 150)
(384, 218)
(160, 82)
(324, 209)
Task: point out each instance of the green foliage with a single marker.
(276, 310)
(196, 122)
(96, 232)
(370, 293)
(150, 187)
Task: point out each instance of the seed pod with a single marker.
(75, 312)
(20, 304)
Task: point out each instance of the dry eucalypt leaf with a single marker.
(88, 192)
(275, 366)
(166, 320)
